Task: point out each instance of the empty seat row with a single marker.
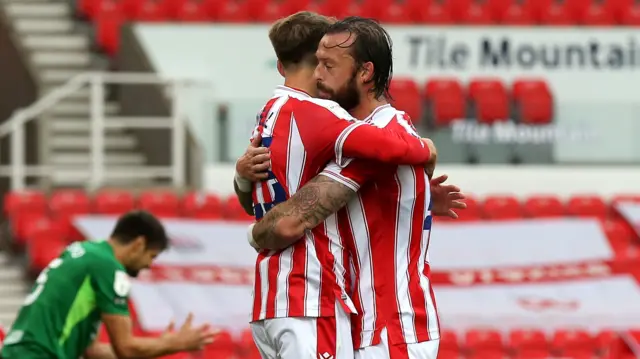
(530, 344)
(441, 12)
(443, 100)
(501, 207)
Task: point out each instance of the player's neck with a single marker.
(118, 250)
(367, 106)
(300, 80)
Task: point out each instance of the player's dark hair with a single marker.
(135, 224)
(373, 44)
(295, 38)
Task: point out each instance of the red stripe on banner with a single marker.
(526, 274)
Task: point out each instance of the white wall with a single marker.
(484, 180)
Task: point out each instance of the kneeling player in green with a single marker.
(88, 285)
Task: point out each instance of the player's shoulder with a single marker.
(321, 106)
(390, 117)
(96, 254)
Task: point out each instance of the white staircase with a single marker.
(59, 49)
(13, 290)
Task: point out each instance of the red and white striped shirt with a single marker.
(386, 229)
(303, 135)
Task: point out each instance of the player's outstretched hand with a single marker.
(255, 162)
(446, 199)
(189, 337)
(430, 166)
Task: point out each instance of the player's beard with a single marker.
(346, 96)
(133, 272)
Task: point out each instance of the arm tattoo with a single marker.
(245, 198)
(311, 205)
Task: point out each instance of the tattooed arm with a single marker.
(287, 222)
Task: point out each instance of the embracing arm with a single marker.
(362, 140)
(287, 222)
(245, 198)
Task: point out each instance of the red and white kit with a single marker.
(300, 303)
(386, 229)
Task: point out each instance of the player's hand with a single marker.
(430, 166)
(446, 198)
(255, 162)
(190, 338)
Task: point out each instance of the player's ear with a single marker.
(366, 72)
(139, 244)
(280, 68)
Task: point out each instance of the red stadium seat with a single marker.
(24, 201)
(223, 347)
(151, 11)
(108, 22)
(363, 8)
(596, 13)
(472, 212)
(533, 100)
(160, 203)
(490, 99)
(45, 229)
(517, 13)
(395, 12)
(629, 13)
(449, 345)
(445, 100)
(231, 10)
(558, 12)
(432, 12)
(484, 343)
(587, 206)
(478, 13)
(44, 249)
(325, 7)
(543, 206)
(233, 210)
(65, 205)
(270, 11)
(114, 202)
(619, 233)
(247, 348)
(191, 11)
(573, 343)
(528, 344)
(501, 207)
(406, 97)
(202, 205)
(608, 344)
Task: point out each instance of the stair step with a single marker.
(43, 26)
(67, 42)
(59, 76)
(80, 108)
(11, 273)
(78, 125)
(81, 94)
(73, 142)
(13, 288)
(83, 159)
(38, 10)
(61, 58)
(11, 303)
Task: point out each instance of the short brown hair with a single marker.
(295, 38)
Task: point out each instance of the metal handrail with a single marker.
(15, 126)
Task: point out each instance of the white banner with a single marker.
(579, 63)
(209, 271)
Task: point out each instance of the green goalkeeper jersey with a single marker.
(61, 316)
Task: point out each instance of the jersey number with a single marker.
(41, 281)
(75, 250)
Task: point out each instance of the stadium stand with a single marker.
(41, 221)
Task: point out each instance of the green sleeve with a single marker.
(111, 285)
